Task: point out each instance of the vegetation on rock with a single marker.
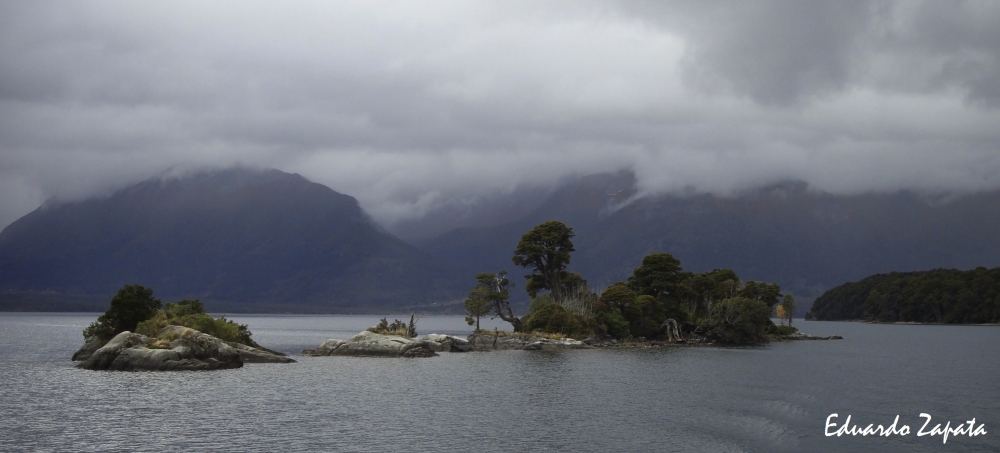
(191, 314)
(134, 309)
(396, 327)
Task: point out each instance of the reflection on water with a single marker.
(772, 398)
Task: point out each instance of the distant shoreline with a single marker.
(907, 323)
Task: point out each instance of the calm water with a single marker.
(770, 398)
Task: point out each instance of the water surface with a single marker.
(770, 398)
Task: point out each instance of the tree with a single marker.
(618, 296)
(130, 306)
(477, 305)
(496, 290)
(782, 314)
(658, 276)
(645, 315)
(739, 320)
(546, 251)
(764, 292)
(706, 288)
(788, 306)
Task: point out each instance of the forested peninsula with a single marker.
(946, 296)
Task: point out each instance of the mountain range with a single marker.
(249, 240)
(243, 239)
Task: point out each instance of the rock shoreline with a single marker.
(369, 344)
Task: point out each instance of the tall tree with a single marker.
(764, 292)
(130, 306)
(782, 315)
(546, 251)
(496, 290)
(788, 306)
(658, 276)
(477, 305)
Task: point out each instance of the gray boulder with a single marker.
(370, 344)
(448, 343)
(90, 345)
(802, 336)
(251, 354)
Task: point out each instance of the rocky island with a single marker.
(136, 335)
(174, 348)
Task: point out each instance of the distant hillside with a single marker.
(804, 240)
(245, 240)
(940, 296)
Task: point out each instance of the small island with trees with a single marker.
(658, 302)
(139, 333)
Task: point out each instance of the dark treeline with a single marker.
(940, 296)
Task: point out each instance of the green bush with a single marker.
(538, 302)
(617, 326)
(782, 331)
(554, 318)
(645, 315)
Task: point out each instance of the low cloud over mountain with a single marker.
(425, 109)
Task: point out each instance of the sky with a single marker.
(414, 107)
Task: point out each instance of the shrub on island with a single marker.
(191, 313)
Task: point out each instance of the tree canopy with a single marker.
(495, 288)
(658, 276)
(546, 251)
(477, 305)
(130, 306)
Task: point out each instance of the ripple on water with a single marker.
(773, 398)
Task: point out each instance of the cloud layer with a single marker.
(416, 106)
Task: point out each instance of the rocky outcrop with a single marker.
(90, 345)
(173, 348)
(251, 354)
(370, 344)
(486, 342)
(448, 343)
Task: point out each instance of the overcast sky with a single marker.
(414, 105)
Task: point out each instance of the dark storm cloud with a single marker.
(412, 107)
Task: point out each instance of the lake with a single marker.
(769, 398)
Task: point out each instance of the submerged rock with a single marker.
(173, 348)
(371, 344)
